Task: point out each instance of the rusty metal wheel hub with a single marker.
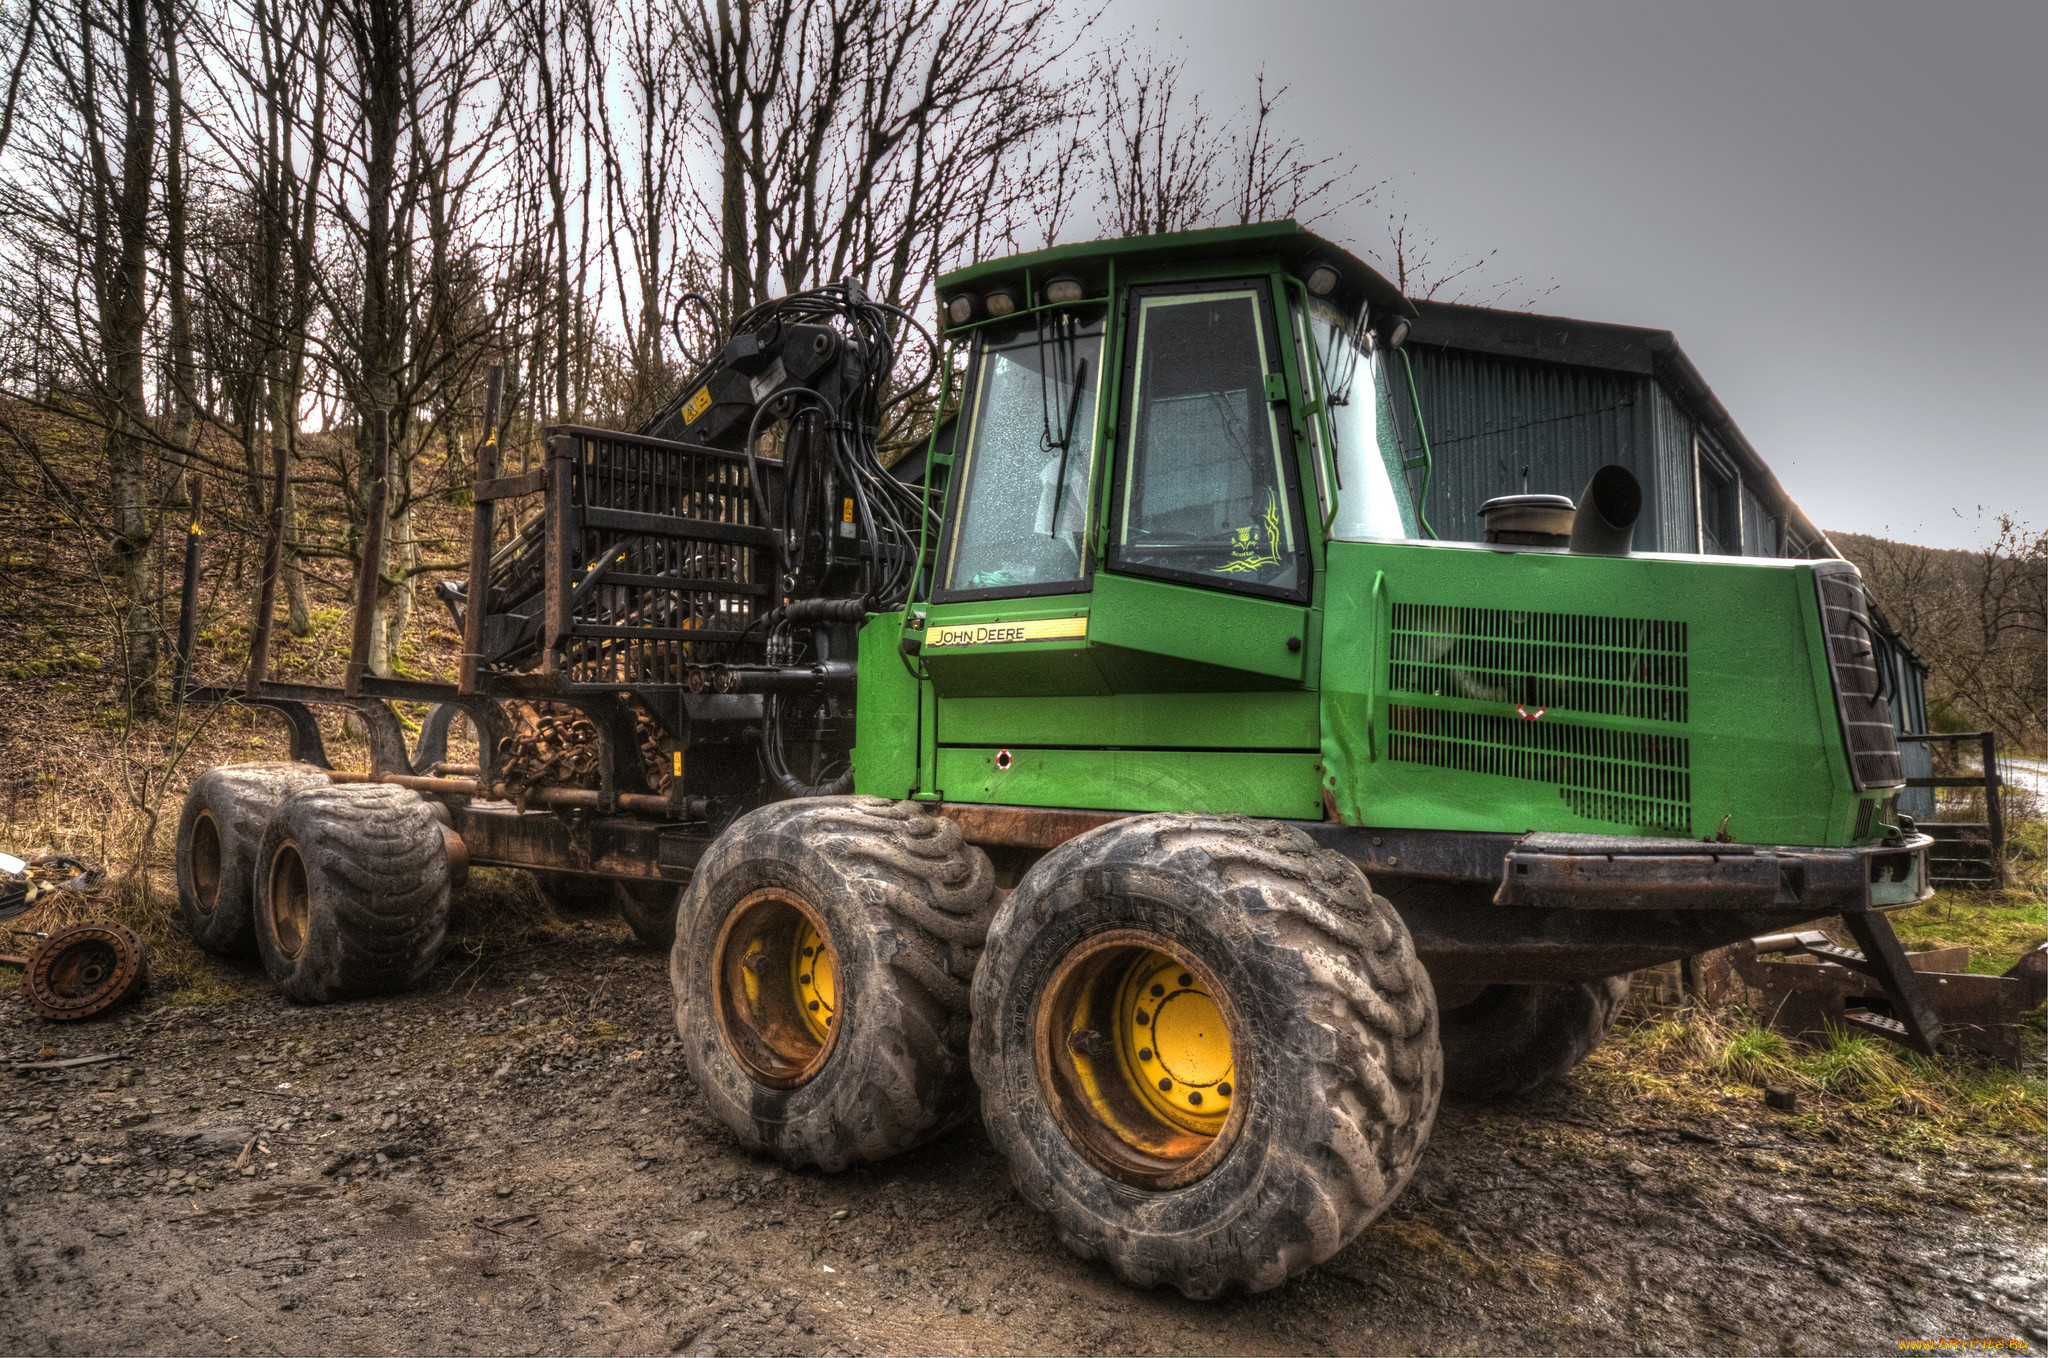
(82, 970)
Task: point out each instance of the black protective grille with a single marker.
(1621, 777)
(664, 561)
(1564, 662)
(1860, 695)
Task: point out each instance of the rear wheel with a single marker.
(351, 892)
(821, 968)
(649, 909)
(1508, 1039)
(1206, 1049)
(226, 810)
(572, 893)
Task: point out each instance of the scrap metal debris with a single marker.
(1817, 987)
(25, 882)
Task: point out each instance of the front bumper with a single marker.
(1611, 872)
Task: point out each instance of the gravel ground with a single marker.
(513, 1161)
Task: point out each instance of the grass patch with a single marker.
(1997, 927)
(1865, 1086)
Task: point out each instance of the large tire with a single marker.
(1334, 1075)
(226, 810)
(649, 909)
(351, 892)
(899, 905)
(1508, 1039)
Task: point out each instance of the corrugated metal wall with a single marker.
(1759, 531)
(1489, 417)
(1673, 501)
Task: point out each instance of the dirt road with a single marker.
(513, 1161)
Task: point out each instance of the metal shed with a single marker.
(1513, 401)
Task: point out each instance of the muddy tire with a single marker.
(649, 909)
(226, 810)
(351, 892)
(1330, 1074)
(821, 967)
(1511, 1038)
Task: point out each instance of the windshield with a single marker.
(1024, 486)
(1372, 493)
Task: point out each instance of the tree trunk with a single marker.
(122, 336)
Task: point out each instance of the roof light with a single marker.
(1065, 288)
(1322, 278)
(1390, 330)
(1000, 301)
(961, 309)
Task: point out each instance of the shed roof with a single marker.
(1612, 348)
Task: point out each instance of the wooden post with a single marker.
(188, 594)
(368, 577)
(482, 524)
(273, 559)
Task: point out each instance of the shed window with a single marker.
(1720, 502)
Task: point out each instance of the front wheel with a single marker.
(821, 964)
(1206, 1049)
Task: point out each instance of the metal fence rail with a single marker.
(1959, 856)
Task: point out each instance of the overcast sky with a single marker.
(1838, 207)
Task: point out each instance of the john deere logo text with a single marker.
(996, 633)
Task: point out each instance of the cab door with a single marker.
(1206, 579)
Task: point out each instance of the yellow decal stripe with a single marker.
(999, 633)
(697, 405)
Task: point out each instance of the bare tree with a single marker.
(872, 140)
(1162, 155)
(1979, 619)
(80, 219)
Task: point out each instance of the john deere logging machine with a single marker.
(1049, 781)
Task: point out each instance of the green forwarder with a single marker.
(1144, 771)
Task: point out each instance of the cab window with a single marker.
(1372, 492)
(1206, 493)
(1021, 521)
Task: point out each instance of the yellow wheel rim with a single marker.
(815, 976)
(1137, 1058)
(1174, 1043)
(775, 979)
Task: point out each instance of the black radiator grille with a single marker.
(1860, 695)
(1564, 662)
(1621, 777)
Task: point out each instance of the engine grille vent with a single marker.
(1860, 695)
(1620, 777)
(1566, 662)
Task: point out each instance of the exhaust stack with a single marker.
(1605, 524)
